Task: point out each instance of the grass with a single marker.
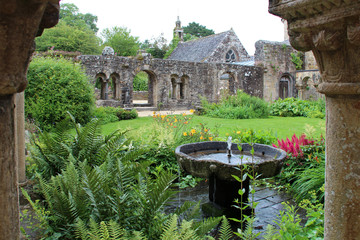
(281, 127)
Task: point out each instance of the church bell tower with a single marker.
(178, 31)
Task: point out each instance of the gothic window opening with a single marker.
(230, 56)
(173, 88)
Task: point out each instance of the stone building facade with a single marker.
(206, 67)
(172, 83)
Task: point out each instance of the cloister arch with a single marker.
(151, 87)
(286, 86)
(101, 86)
(114, 86)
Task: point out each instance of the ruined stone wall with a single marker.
(196, 79)
(275, 58)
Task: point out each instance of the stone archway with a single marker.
(114, 86)
(101, 86)
(286, 86)
(226, 84)
(151, 88)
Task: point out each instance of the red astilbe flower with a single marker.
(293, 146)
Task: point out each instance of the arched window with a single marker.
(230, 56)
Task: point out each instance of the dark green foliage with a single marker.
(141, 81)
(157, 47)
(124, 114)
(172, 46)
(121, 41)
(69, 13)
(197, 30)
(305, 172)
(292, 107)
(297, 59)
(57, 86)
(69, 38)
(112, 114)
(51, 153)
(239, 106)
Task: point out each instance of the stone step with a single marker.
(142, 109)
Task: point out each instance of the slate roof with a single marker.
(198, 50)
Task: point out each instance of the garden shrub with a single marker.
(238, 106)
(106, 114)
(124, 114)
(141, 81)
(254, 136)
(57, 86)
(294, 107)
(112, 114)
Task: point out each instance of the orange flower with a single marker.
(210, 138)
(184, 114)
(206, 130)
(238, 132)
(193, 131)
(175, 120)
(201, 138)
(185, 134)
(186, 122)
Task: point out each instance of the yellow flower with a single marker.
(185, 133)
(192, 110)
(206, 130)
(238, 132)
(175, 120)
(186, 122)
(184, 114)
(210, 138)
(163, 116)
(193, 131)
(201, 138)
(154, 112)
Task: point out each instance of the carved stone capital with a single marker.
(331, 29)
(20, 22)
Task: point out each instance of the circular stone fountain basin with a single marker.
(205, 159)
(219, 161)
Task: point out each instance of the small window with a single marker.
(230, 56)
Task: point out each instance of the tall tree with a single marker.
(157, 47)
(70, 14)
(69, 38)
(121, 41)
(196, 30)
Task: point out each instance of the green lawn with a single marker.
(282, 127)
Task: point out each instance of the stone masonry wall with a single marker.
(230, 42)
(275, 58)
(194, 78)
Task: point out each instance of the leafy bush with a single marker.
(239, 106)
(89, 179)
(252, 136)
(57, 86)
(106, 114)
(293, 107)
(304, 168)
(112, 114)
(51, 153)
(124, 114)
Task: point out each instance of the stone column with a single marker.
(331, 29)
(20, 22)
(20, 136)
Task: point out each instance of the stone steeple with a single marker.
(178, 31)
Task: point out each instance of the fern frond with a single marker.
(170, 230)
(225, 232)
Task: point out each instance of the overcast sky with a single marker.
(149, 18)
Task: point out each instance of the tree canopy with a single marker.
(157, 47)
(75, 32)
(196, 30)
(121, 41)
(69, 13)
